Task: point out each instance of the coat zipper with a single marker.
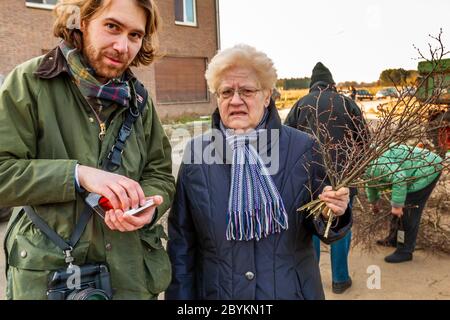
(102, 133)
(102, 125)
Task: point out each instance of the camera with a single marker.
(93, 283)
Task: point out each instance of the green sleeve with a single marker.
(399, 189)
(372, 194)
(157, 178)
(25, 180)
(390, 172)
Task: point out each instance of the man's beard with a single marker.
(95, 57)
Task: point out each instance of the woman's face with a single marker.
(241, 100)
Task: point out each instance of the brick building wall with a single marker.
(27, 32)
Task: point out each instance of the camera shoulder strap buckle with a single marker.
(113, 160)
(68, 256)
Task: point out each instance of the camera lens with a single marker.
(88, 294)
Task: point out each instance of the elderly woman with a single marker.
(234, 232)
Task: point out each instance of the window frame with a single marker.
(185, 22)
(42, 5)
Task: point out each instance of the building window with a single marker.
(181, 80)
(41, 4)
(185, 12)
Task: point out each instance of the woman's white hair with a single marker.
(241, 56)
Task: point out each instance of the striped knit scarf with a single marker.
(115, 90)
(255, 207)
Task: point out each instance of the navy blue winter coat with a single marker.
(282, 266)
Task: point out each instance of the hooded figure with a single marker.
(345, 117)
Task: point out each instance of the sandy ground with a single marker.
(426, 277)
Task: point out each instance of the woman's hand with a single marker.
(336, 201)
(117, 220)
(397, 211)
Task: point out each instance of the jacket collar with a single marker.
(322, 85)
(54, 63)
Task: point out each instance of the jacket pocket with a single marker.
(156, 259)
(35, 252)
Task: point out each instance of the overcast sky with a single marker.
(355, 39)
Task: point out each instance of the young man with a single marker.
(341, 116)
(60, 115)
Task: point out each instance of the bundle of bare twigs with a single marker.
(404, 121)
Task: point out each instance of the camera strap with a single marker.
(111, 163)
(114, 157)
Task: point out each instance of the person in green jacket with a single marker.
(60, 115)
(411, 173)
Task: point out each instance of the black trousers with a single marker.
(412, 213)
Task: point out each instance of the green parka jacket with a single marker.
(402, 169)
(46, 128)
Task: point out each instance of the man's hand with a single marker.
(397, 211)
(123, 193)
(116, 220)
(337, 201)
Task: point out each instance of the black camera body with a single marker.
(94, 283)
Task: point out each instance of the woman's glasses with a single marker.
(244, 93)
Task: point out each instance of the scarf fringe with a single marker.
(258, 223)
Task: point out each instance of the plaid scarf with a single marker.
(115, 90)
(255, 208)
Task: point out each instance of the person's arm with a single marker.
(25, 180)
(343, 222)
(372, 193)
(157, 178)
(399, 189)
(156, 181)
(389, 172)
(181, 245)
(357, 123)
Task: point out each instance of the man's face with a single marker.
(113, 37)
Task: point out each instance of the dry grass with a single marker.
(289, 97)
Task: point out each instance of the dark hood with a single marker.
(321, 73)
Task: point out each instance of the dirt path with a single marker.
(426, 277)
